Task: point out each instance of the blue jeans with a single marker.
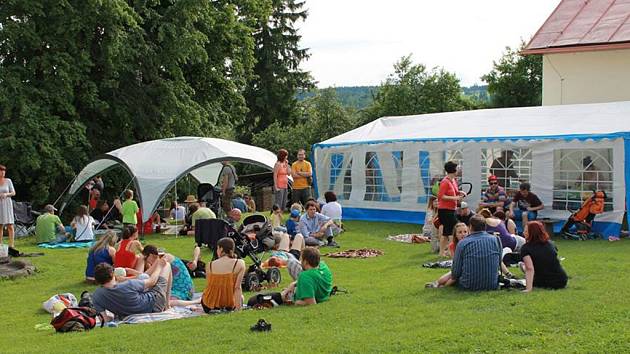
(531, 215)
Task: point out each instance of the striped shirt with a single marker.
(476, 262)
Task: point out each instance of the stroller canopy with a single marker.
(156, 165)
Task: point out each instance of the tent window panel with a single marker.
(425, 177)
(456, 156)
(577, 173)
(374, 184)
(347, 182)
(336, 165)
(511, 166)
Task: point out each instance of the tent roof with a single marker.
(578, 25)
(580, 121)
(157, 164)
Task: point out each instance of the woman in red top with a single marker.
(281, 172)
(128, 253)
(448, 197)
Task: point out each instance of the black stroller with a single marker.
(25, 218)
(255, 237)
(211, 195)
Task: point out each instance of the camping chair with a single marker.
(25, 218)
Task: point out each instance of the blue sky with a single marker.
(355, 43)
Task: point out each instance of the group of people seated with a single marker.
(479, 242)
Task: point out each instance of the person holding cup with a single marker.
(182, 287)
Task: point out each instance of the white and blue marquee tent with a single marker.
(384, 170)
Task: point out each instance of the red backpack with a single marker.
(76, 319)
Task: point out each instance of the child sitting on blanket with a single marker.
(460, 231)
(128, 252)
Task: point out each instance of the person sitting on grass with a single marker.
(129, 209)
(276, 219)
(316, 227)
(182, 287)
(103, 251)
(251, 204)
(128, 253)
(460, 231)
(133, 296)
(48, 227)
(83, 225)
(234, 217)
(224, 276)
(292, 223)
(540, 260)
(477, 258)
(333, 210)
(314, 282)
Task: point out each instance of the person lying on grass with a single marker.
(540, 260)
(314, 283)
(182, 287)
(460, 231)
(133, 296)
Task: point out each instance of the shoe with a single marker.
(431, 285)
(332, 244)
(261, 326)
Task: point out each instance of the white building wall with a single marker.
(586, 77)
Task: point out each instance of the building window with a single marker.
(375, 188)
(577, 173)
(511, 167)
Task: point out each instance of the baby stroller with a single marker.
(210, 195)
(583, 218)
(256, 237)
(24, 218)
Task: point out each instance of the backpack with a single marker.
(76, 319)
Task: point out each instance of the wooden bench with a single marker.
(549, 222)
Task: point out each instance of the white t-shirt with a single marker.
(85, 228)
(332, 210)
(178, 213)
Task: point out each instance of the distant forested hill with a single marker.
(360, 97)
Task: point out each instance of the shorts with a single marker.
(159, 295)
(448, 219)
(301, 195)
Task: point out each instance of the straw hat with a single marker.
(190, 199)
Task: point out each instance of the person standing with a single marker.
(228, 179)
(448, 197)
(302, 174)
(6, 206)
(281, 172)
(129, 209)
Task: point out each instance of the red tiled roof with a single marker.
(583, 25)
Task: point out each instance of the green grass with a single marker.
(387, 308)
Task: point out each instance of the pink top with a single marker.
(447, 187)
(282, 176)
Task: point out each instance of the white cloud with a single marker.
(355, 42)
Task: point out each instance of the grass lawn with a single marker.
(387, 308)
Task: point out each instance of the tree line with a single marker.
(79, 78)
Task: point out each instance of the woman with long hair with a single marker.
(224, 276)
(6, 206)
(540, 260)
(103, 251)
(460, 231)
(281, 172)
(83, 225)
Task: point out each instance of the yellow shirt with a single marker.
(301, 166)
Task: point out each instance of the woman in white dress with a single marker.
(6, 206)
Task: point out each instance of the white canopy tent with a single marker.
(158, 164)
(384, 170)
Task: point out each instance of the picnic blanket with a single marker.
(441, 264)
(408, 238)
(174, 313)
(83, 244)
(360, 253)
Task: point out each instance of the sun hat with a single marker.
(190, 199)
(463, 205)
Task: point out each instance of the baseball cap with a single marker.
(295, 213)
(50, 208)
(463, 205)
(492, 178)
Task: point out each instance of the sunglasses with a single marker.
(494, 183)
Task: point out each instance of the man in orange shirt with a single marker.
(302, 172)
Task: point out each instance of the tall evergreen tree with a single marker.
(271, 93)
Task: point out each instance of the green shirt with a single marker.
(314, 283)
(129, 210)
(202, 213)
(46, 227)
